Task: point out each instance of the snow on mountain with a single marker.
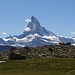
(34, 35)
(50, 37)
(73, 39)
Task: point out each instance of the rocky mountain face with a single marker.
(66, 39)
(33, 35)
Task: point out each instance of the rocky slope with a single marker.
(48, 51)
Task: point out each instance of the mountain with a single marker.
(33, 35)
(66, 39)
(5, 48)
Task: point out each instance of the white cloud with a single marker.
(72, 32)
(27, 29)
(4, 33)
(28, 20)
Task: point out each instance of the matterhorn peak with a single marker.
(33, 35)
(34, 19)
(33, 25)
(34, 22)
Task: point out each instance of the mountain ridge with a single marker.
(34, 35)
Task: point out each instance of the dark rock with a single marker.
(16, 57)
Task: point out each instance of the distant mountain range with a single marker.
(34, 35)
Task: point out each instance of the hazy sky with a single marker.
(57, 16)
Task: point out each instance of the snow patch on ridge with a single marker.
(10, 39)
(45, 40)
(73, 39)
(50, 37)
(18, 45)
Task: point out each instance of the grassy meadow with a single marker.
(52, 66)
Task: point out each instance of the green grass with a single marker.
(57, 66)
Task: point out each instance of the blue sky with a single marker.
(57, 16)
